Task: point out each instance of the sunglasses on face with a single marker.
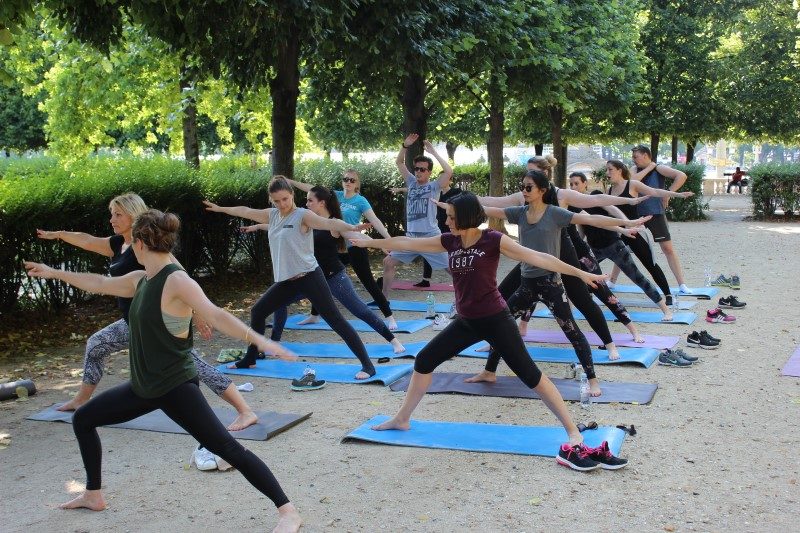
(526, 188)
(348, 180)
(421, 169)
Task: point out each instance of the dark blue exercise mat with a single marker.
(334, 350)
(409, 305)
(473, 437)
(548, 354)
(701, 293)
(512, 387)
(269, 423)
(403, 326)
(270, 368)
(649, 317)
(683, 305)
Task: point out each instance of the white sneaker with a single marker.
(222, 464)
(684, 289)
(203, 459)
(610, 284)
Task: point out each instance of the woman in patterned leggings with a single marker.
(115, 337)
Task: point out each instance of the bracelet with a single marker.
(247, 336)
(406, 147)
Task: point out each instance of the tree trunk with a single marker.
(538, 148)
(557, 123)
(674, 149)
(451, 146)
(690, 146)
(495, 144)
(655, 140)
(285, 88)
(415, 117)
(191, 150)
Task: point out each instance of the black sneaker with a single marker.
(423, 284)
(309, 381)
(670, 358)
(576, 457)
(668, 300)
(607, 460)
(701, 341)
(731, 302)
(710, 337)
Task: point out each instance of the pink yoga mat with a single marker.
(792, 366)
(620, 339)
(409, 286)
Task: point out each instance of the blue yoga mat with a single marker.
(403, 326)
(473, 437)
(327, 371)
(546, 354)
(410, 305)
(680, 317)
(683, 305)
(341, 351)
(701, 293)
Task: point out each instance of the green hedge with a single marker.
(774, 186)
(39, 193)
(681, 209)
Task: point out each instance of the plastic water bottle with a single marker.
(586, 396)
(708, 276)
(676, 302)
(452, 313)
(430, 301)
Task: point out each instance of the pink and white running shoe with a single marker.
(716, 315)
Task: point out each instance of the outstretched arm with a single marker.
(315, 221)
(257, 215)
(641, 188)
(512, 200)
(517, 252)
(495, 212)
(300, 185)
(373, 219)
(445, 178)
(601, 221)
(122, 286)
(584, 201)
(423, 244)
(98, 245)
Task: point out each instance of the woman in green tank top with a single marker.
(163, 374)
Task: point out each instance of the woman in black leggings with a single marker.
(540, 228)
(473, 256)
(354, 207)
(163, 374)
(294, 267)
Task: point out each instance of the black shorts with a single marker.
(658, 227)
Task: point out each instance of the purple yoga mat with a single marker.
(620, 339)
(435, 287)
(792, 366)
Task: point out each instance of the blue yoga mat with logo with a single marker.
(410, 305)
(473, 437)
(341, 351)
(547, 354)
(270, 368)
(679, 317)
(403, 326)
(701, 293)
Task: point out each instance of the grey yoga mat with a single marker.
(512, 387)
(269, 423)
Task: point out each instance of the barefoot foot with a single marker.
(233, 366)
(362, 375)
(391, 323)
(594, 387)
(310, 319)
(393, 423)
(484, 375)
(289, 520)
(90, 499)
(243, 420)
(397, 346)
(667, 317)
(613, 355)
(638, 338)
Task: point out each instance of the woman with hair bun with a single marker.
(294, 267)
(115, 336)
(163, 373)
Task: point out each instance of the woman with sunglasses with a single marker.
(578, 293)
(473, 257)
(327, 247)
(355, 207)
(540, 227)
(294, 267)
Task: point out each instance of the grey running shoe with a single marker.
(721, 281)
(309, 381)
(685, 356)
(670, 358)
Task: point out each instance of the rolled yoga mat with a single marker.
(701, 293)
(679, 317)
(545, 354)
(386, 374)
(269, 423)
(403, 326)
(9, 390)
(473, 437)
(620, 339)
(512, 387)
(407, 305)
(792, 366)
(683, 305)
(409, 286)
(334, 350)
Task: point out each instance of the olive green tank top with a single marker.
(160, 361)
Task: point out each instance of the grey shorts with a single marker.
(437, 260)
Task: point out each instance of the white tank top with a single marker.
(291, 250)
